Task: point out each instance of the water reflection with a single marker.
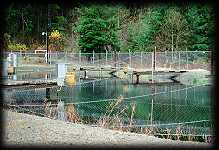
(90, 99)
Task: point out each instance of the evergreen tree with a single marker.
(97, 28)
(201, 22)
(142, 32)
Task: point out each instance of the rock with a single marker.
(195, 77)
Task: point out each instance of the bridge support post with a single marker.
(48, 93)
(137, 78)
(85, 74)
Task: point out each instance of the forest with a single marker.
(110, 27)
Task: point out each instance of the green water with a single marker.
(93, 99)
(177, 106)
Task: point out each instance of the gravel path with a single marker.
(23, 129)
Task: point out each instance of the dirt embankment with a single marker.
(23, 129)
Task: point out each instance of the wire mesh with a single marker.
(170, 110)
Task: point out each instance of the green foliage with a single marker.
(201, 22)
(25, 22)
(143, 31)
(102, 27)
(97, 28)
(17, 47)
(174, 32)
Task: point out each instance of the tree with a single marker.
(142, 32)
(25, 22)
(174, 33)
(97, 28)
(201, 22)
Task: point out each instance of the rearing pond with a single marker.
(156, 104)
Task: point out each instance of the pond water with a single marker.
(183, 104)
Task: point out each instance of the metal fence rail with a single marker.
(179, 60)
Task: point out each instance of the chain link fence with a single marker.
(175, 112)
(179, 60)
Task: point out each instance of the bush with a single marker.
(36, 45)
(17, 47)
(56, 41)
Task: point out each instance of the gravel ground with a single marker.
(25, 130)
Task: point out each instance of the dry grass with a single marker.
(49, 110)
(71, 113)
(113, 116)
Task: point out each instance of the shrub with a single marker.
(17, 47)
(56, 41)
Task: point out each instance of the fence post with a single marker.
(79, 57)
(152, 103)
(152, 62)
(46, 57)
(179, 60)
(165, 59)
(106, 57)
(93, 85)
(65, 57)
(154, 59)
(130, 57)
(93, 57)
(141, 57)
(187, 65)
(118, 59)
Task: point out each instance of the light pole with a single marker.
(47, 52)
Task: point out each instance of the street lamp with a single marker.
(47, 52)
